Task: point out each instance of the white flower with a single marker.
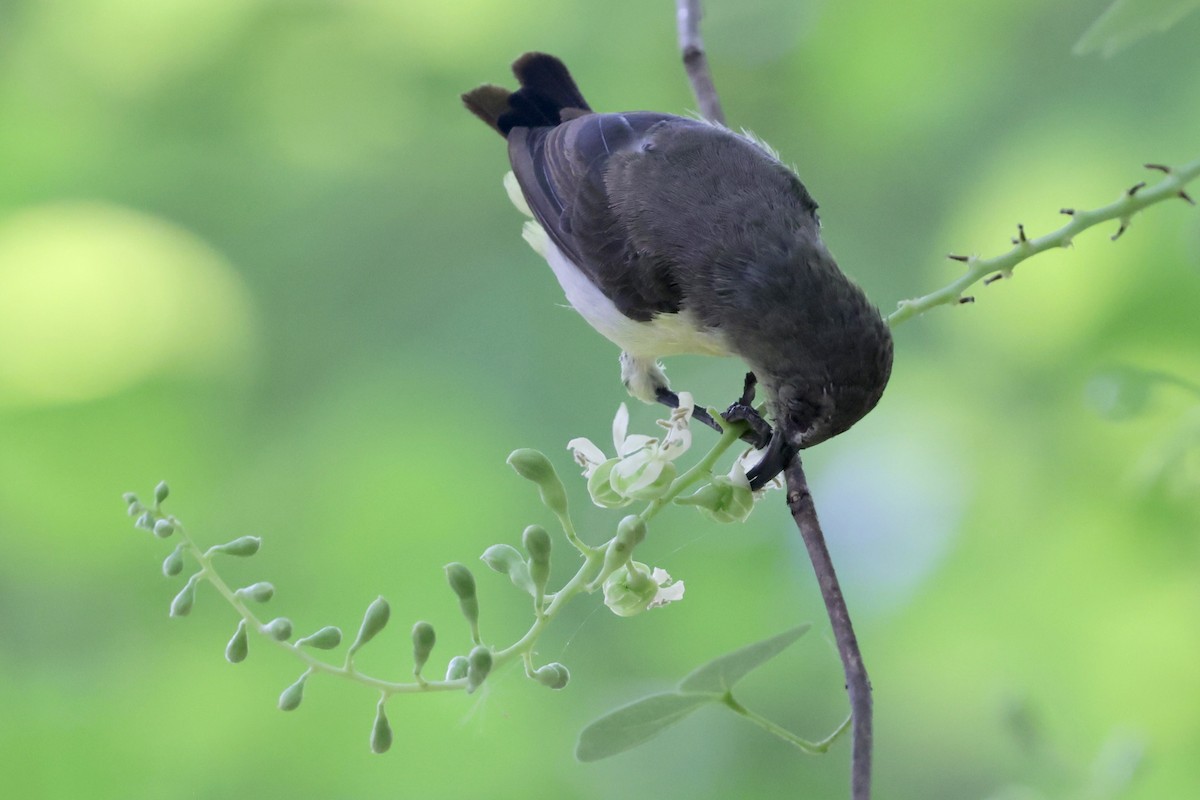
(642, 468)
(645, 470)
(635, 588)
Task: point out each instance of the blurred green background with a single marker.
(258, 249)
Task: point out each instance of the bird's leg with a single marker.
(760, 431)
(671, 400)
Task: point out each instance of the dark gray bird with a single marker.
(674, 235)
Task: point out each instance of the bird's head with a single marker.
(808, 406)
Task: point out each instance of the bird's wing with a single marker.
(565, 173)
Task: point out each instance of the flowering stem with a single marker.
(1132, 201)
(576, 585)
(208, 573)
(703, 468)
(812, 748)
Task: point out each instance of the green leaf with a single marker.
(1127, 21)
(719, 675)
(640, 721)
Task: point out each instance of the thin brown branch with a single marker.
(858, 685)
(687, 16)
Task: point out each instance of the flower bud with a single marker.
(537, 544)
(600, 488)
(130, 498)
(463, 583)
(457, 668)
(289, 699)
(479, 664)
(723, 500)
(507, 560)
(501, 557)
(554, 675)
(327, 638)
(161, 491)
(259, 592)
(145, 522)
(135, 508)
(173, 564)
(373, 621)
(242, 546)
(630, 533)
(279, 629)
(534, 466)
(423, 639)
(235, 651)
(163, 529)
(381, 731)
(181, 606)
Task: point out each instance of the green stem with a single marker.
(702, 469)
(812, 748)
(1133, 201)
(208, 573)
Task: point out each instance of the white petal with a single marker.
(636, 472)
(620, 427)
(668, 592)
(586, 454)
(636, 443)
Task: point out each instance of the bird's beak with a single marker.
(778, 455)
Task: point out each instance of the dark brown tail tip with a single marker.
(487, 102)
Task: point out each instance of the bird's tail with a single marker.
(547, 97)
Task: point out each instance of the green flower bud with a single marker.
(130, 498)
(423, 639)
(145, 522)
(554, 675)
(181, 606)
(508, 560)
(537, 544)
(381, 731)
(457, 668)
(630, 533)
(163, 529)
(241, 546)
(373, 621)
(723, 500)
(327, 638)
(279, 629)
(173, 564)
(259, 592)
(135, 507)
(289, 699)
(235, 651)
(600, 487)
(463, 583)
(501, 557)
(161, 491)
(534, 466)
(629, 590)
(479, 664)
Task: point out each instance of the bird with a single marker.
(671, 235)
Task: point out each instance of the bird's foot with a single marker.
(743, 410)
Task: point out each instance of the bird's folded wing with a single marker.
(565, 173)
